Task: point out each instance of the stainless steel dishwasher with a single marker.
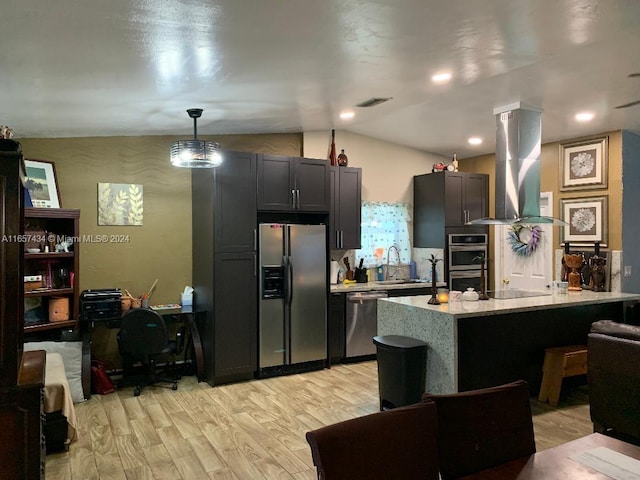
(362, 322)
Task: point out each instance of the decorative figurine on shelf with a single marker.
(564, 276)
(597, 266)
(342, 158)
(332, 149)
(574, 261)
(481, 259)
(434, 291)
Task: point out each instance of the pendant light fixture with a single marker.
(195, 153)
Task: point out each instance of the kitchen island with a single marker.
(484, 343)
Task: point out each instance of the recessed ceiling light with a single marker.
(441, 77)
(475, 140)
(347, 115)
(584, 116)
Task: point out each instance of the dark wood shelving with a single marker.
(47, 256)
(61, 222)
(48, 292)
(40, 327)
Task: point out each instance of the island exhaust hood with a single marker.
(517, 177)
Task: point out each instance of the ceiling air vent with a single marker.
(635, 102)
(372, 102)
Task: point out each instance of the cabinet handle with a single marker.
(255, 265)
(341, 238)
(298, 198)
(337, 239)
(293, 198)
(255, 239)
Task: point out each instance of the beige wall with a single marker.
(161, 247)
(550, 182)
(387, 168)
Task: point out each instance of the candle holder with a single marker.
(574, 262)
(482, 295)
(434, 291)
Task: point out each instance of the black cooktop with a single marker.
(508, 294)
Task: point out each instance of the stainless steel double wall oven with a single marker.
(462, 251)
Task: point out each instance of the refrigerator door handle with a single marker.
(290, 281)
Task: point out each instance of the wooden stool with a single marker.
(559, 363)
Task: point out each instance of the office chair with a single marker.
(143, 339)
(400, 443)
(480, 429)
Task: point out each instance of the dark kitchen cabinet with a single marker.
(224, 266)
(235, 311)
(235, 203)
(287, 184)
(446, 199)
(336, 327)
(346, 205)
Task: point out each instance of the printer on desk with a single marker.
(101, 305)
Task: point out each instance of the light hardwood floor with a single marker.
(246, 431)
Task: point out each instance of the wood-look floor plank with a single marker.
(119, 422)
(110, 467)
(160, 463)
(158, 416)
(130, 452)
(205, 453)
(190, 467)
(277, 450)
(247, 431)
(175, 443)
(145, 432)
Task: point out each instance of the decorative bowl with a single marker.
(33, 250)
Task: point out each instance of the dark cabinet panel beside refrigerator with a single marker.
(224, 266)
(292, 311)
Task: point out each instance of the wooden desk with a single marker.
(188, 316)
(554, 463)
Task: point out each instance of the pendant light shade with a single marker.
(195, 153)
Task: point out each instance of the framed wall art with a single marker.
(583, 165)
(587, 220)
(120, 204)
(42, 184)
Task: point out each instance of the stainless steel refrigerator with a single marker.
(293, 294)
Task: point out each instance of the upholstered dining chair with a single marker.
(479, 429)
(397, 444)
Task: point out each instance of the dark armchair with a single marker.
(143, 339)
(614, 379)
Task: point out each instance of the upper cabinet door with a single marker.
(454, 214)
(476, 196)
(288, 184)
(350, 207)
(235, 203)
(276, 180)
(312, 185)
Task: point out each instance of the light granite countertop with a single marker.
(500, 325)
(369, 286)
(481, 308)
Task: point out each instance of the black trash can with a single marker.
(402, 366)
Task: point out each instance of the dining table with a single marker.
(585, 458)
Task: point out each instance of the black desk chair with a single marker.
(143, 339)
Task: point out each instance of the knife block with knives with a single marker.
(349, 273)
(361, 273)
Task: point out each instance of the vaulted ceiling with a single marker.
(132, 67)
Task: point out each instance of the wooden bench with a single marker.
(559, 363)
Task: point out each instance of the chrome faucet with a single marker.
(388, 255)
